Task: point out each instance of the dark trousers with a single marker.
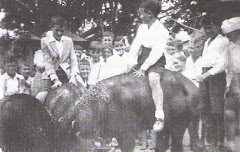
(212, 93)
(62, 76)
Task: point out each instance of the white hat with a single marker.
(231, 25)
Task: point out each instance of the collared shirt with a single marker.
(59, 44)
(10, 86)
(29, 81)
(215, 54)
(55, 57)
(233, 60)
(81, 80)
(192, 69)
(155, 38)
(95, 72)
(113, 66)
(38, 59)
(169, 59)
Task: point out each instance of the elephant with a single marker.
(122, 105)
(25, 125)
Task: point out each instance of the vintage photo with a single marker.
(119, 76)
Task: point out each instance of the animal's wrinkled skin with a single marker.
(122, 105)
(25, 125)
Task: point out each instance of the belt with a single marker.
(205, 69)
(41, 70)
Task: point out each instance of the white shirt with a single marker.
(192, 69)
(29, 81)
(38, 59)
(154, 37)
(95, 72)
(81, 80)
(10, 86)
(114, 65)
(233, 61)
(59, 44)
(215, 54)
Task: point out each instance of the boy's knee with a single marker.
(41, 96)
(154, 78)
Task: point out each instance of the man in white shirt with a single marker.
(212, 82)
(231, 28)
(152, 37)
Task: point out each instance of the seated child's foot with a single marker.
(158, 125)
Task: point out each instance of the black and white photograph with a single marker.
(119, 75)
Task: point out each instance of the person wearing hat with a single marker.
(231, 29)
(212, 82)
(147, 52)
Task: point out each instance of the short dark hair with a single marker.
(10, 60)
(201, 40)
(211, 20)
(84, 62)
(58, 20)
(152, 6)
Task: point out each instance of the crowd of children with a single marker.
(203, 63)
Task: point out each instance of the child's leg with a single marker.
(157, 93)
(41, 96)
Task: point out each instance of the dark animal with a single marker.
(25, 125)
(122, 105)
(72, 118)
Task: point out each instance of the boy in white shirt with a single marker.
(193, 66)
(151, 38)
(84, 69)
(25, 70)
(11, 82)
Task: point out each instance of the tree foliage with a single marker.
(119, 14)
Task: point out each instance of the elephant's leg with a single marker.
(126, 141)
(162, 140)
(177, 137)
(230, 117)
(195, 142)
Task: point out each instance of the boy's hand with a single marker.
(56, 84)
(139, 73)
(202, 77)
(73, 80)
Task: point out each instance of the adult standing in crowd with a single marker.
(57, 50)
(151, 37)
(231, 28)
(212, 82)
